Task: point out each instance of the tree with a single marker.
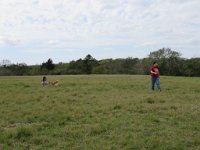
(5, 62)
(192, 67)
(48, 65)
(163, 54)
(75, 67)
(89, 63)
(18, 69)
(129, 65)
(169, 61)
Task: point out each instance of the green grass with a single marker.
(99, 113)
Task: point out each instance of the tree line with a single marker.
(170, 64)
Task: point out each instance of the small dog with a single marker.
(53, 83)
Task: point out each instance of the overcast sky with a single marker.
(32, 31)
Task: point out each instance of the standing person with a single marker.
(155, 76)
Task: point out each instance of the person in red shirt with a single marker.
(155, 76)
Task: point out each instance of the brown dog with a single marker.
(53, 83)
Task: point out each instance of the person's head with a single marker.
(155, 64)
(44, 78)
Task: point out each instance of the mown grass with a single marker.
(99, 112)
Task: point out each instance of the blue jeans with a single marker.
(155, 80)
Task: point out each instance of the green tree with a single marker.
(5, 62)
(164, 53)
(89, 63)
(48, 65)
(169, 61)
(75, 67)
(130, 65)
(192, 67)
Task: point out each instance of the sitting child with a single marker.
(44, 81)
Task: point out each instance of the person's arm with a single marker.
(153, 72)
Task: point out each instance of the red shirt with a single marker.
(155, 69)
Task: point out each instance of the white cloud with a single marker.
(9, 42)
(93, 23)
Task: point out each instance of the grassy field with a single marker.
(99, 113)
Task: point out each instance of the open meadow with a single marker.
(99, 112)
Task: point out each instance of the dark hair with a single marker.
(154, 62)
(44, 78)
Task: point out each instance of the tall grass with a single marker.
(99, 112)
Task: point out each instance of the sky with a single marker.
(31, 31)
